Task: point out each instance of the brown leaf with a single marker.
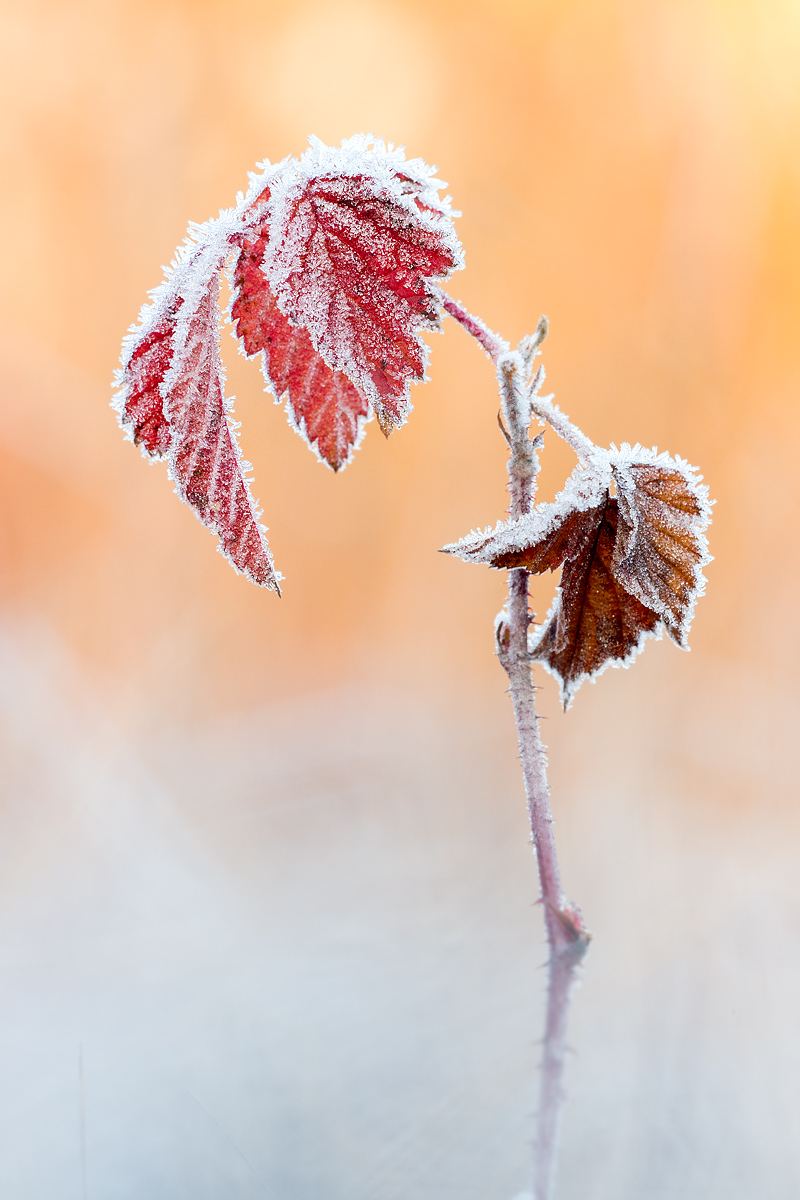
(595, 622)
(566, 541)
(660, 550)
(631, 562)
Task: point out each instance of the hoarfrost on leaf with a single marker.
(632, 564)
(357, 237)
(336, 258)
(584, 489)
(323, 405)
(594, 622)
(661, 548)
(171, 400)
(204, 458)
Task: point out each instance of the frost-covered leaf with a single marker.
(140, 404)
(204, 459)
(661, 550)
(357, 235)
(171, 400)
(337, 255)
(632, 562)
(543, 537)
(322, 405)
(595, 622)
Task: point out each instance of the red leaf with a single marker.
(322, 405)
(171, 399)
(140, 404)
(332, 285)
(351, 255)
(204, 459)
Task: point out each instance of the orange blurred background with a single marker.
(629, 169)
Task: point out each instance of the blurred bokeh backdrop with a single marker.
(267, 919)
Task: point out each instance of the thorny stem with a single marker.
(566, 936)
(541, 407)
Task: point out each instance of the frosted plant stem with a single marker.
(492, 343)
(541, 406)
(545, 410)
(567, 939)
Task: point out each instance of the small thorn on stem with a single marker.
(537, 381)
(503, 429)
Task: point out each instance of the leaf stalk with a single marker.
(493, 344)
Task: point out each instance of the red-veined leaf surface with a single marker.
(170, 400)
(323, 405)
(336, 255)
(351, 257)
(140, 403)
(204, 458)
